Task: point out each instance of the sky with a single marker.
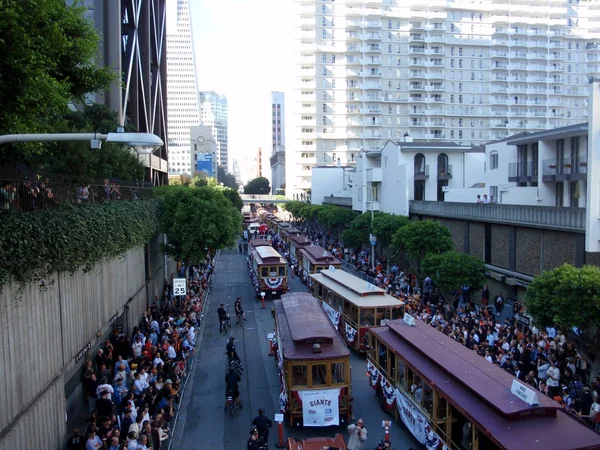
(243, 50)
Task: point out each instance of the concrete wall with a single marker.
(48, 334)
(328, 180)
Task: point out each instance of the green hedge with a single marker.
(34, 245)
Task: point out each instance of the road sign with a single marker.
(179, 286)
(373, 240)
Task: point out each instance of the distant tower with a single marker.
(182, 86)
(214, 111)
(277, 158)
(259, 162)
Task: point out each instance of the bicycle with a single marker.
(225, 322)
(237, 367)
(240, 318)
(231, 406)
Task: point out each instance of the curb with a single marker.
(177, 432)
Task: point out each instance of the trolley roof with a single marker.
(268, 255)
(365, 299)
(300, 241)
(302, 322)
(318, 255)
(482, 390)
(259, 243)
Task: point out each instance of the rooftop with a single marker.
(318, 255)
(269, 255)
(364, 301)
(556, 133)
(301, 322)
(482, 391)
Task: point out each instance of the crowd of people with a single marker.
(132, 385)
(32, 194)
(544, 358)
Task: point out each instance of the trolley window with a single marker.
(264, 272)
(282, 271)
(319, 374)
(299, 375)
(338, 372)
(367, 317)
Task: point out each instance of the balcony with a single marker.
(444, 173)
(566, 169)
(374, 175)
(523, 172)
(422, 172)
(559, 218)
(338, 201)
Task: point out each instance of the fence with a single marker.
(357, 273)
(28, 190)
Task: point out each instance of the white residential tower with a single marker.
(438, 70)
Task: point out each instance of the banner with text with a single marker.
(334, 316)
(320, 408)
(417, 423)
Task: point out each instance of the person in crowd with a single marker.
(358, 435)
(262, 424)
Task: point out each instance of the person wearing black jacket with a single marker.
(262, 424)
(126, 422)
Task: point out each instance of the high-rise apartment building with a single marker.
(462, 71)
(277, 158)
(214, 112)
(182, 86)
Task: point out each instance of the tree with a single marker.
(451, 270)
(258, 186)
(294, 207)
(226, 178)
(358, 234)
(384, 227)
(234, 197)
(421, 238)
(196, 218)
(335, 218)
(48, 59)
(76, 162)
(568, 297)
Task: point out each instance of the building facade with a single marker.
(203, 148)
(182, 87)
(214, 112)
(389, 179)
(547, 168)
(466, 72)
(277, 158)
(134, 48)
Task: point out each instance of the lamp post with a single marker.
(142, 143)
(372, 215)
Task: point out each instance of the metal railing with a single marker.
(523, 169)
(421, 172)
(565, 166)
(28, 190)
(347, 267)
(555, 217)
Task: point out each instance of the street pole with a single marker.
(373, 231)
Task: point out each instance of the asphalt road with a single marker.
(203, 424)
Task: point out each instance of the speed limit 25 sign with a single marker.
(179, 286)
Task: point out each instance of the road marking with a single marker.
(250, 328)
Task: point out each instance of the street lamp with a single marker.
(371, 188)
(142, 143)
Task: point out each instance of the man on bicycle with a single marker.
(231, 353)
(239, 310)
(222, 316)
(231, 387)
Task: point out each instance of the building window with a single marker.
(493, 160)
